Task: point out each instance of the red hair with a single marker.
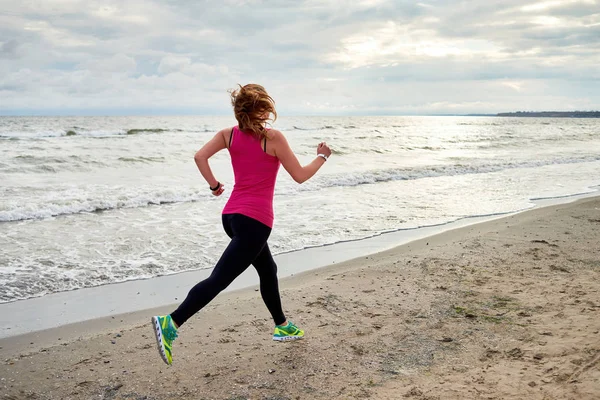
(252, 107)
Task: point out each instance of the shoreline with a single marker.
(502, 309)
(130, 297)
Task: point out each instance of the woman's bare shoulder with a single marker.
(226, 131)
(275, 134)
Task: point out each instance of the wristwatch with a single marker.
(322, 155)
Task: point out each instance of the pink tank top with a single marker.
(255, 173)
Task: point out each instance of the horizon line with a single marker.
(219, 114)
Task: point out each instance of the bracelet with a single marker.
(322, 155)
(216, 187)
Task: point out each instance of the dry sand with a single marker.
(507, 309)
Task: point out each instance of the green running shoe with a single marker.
(165, 332)
(287, 332)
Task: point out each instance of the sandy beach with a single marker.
(506, 309)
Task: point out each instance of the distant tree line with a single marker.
(552, 114)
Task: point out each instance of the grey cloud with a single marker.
(9, 49)
(80, 24)
(577, 10)
(10, 88)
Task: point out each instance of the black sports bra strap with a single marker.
(265, 145)
(230, 137)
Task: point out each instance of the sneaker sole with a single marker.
(158, 336)
(287, 338)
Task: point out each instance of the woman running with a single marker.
(256, 153)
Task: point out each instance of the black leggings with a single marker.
(248, 246)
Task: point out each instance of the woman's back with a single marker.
(255, 174)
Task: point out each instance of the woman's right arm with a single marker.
(216, 144)
(290, 162)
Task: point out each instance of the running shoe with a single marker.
(165, 332)
(287, 332)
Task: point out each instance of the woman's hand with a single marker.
(219, 190)
(322, 148)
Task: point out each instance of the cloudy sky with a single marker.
(333, 57)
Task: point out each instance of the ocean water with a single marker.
(87, 201)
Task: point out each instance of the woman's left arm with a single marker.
(213, 146)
